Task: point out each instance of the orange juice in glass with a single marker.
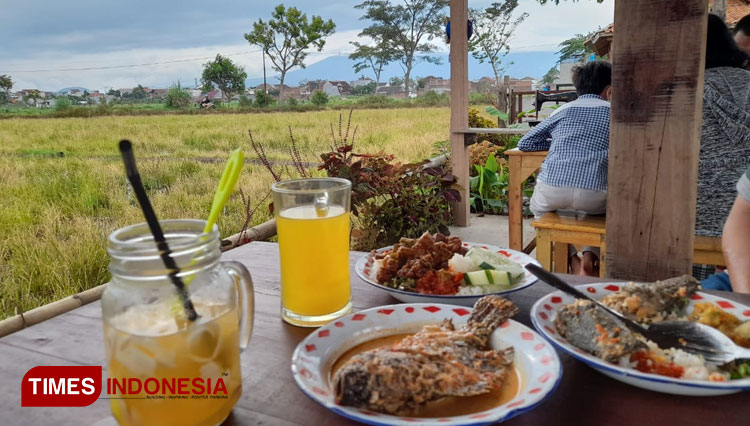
(312, 221)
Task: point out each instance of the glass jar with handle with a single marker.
(162, 368)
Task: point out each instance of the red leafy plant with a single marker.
(390, 200)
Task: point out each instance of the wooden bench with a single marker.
(554, 232)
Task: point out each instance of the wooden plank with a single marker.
(518, 152)
(655, 135)
(491, 130)
(515, 203)
(588, 224)
(703, 257)
(578, 239)
(560, 257)
(544, 248)
(459, 58)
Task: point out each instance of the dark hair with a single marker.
(721, 50)
(592, 78)
(743, 25)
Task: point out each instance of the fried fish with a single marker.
(438, 361)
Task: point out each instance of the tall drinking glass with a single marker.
(312, 222)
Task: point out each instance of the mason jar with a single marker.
(162, 368)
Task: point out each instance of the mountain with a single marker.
(523, 64)
(70, 89)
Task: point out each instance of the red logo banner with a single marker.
(61, 386)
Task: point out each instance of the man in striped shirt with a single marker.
(574, 174)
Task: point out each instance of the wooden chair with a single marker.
(554, 232)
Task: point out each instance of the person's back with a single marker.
(574, 174)
(725, 132)
(579, 145)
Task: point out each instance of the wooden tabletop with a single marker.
(270, 396)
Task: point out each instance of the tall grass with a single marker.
(63, 189)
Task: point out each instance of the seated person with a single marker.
(725, 132)
(742, 34)
(736, 244)
(574, 174)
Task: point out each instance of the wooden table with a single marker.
(270, 396)
(521, 165)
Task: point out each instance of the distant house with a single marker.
(566, 71)
(438, 85)
(393, 91)
(362, 81)
(525, 84)
(335, 88)
(96, 97)
(214, 95)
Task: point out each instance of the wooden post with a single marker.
(512, 106)
(459, 57)
(655, 137)
(719, 8)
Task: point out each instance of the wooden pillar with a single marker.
(459, 58)
(719, 8)
(655, 137)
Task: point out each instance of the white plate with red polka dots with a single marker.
(544, 312)
(364, 268)
(537, 366)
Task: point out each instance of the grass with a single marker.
(64, 190)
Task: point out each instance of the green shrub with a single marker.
(245, 102)
(292, 102)
(62, 103)
(177, 97)
(262, 99)
(319, 98)
(431, 98)
(476, 120)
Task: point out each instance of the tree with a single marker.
(6, 83)
(287, 36)
(395, 81)
(262, 99)
(113, 92)
(493, 29)
(225, 75)
(375, 57)
(177, 97)
(574, 47)
(552, 75)
(137, 94)
(407, 28)
(319, 98)
(365, 89)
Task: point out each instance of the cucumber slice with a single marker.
(485, 265)
(477, 278)
(489, 276)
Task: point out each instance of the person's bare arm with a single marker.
(736, 245)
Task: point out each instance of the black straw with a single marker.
(126, 149)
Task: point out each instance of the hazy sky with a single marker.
(57, 38)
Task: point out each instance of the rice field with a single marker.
(63, 188)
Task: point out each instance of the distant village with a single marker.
(303, 92)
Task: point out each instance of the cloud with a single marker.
(91, 34)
